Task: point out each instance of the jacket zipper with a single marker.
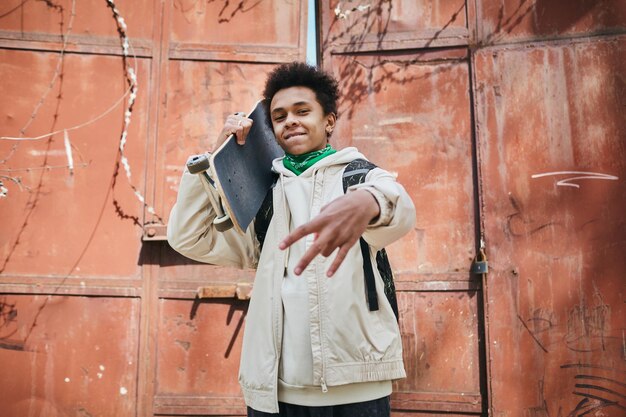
(319, 294)
(324, 387)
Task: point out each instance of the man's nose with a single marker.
(291, 119)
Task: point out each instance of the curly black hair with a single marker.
(300, 74)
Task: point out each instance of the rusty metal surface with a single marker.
(60, 223)
(410, 112)
(244, 29)
(65, 356)
(199, 345)
(547, 115)
(71, 245)
(54, 17)
(502, 21)
(216, 60)
(412, 118)
(352, 25)
(440, 332)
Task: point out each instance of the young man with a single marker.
(311, 345)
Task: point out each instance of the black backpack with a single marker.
(354, 173)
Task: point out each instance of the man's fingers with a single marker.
(296, 235)
(309, 255)
(243, 126)
(341, 255)
(247, 125)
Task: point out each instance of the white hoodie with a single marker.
(335, 350)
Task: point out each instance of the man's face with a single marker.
(299, 122)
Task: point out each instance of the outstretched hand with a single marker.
(338, 226)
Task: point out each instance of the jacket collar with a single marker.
(341, 157)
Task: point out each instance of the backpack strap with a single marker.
(355, 173)
(264, 216)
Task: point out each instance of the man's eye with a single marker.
(303, 111)
(279, 118)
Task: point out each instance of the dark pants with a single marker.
(373, 408)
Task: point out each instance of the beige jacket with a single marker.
(350, 344)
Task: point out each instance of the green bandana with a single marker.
(300, 163)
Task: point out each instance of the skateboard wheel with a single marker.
(198, 163)
(223, 223)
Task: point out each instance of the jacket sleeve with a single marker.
(397, 211)
(190, 229)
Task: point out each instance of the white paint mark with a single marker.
(101, 367)
(68, 151)
(396, 121)
(99, 375)
(578, 175)
(123, 391)
(67, 380)
(52, 152)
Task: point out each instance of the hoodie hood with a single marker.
(341, 157)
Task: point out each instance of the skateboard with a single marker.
(242, 174)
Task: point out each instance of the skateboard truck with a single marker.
(199, 164)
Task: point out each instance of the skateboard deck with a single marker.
(243, 173)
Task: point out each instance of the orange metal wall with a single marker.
(405, 78)
(472, 103)
(97, 313)
(482, 107)
(550, 94)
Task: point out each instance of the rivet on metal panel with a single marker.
(154, 231)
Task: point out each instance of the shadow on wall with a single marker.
(555, 17)
(357, 79)
(552, 18)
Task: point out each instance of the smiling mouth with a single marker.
(293, 135)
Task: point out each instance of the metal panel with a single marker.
(552, 132)
(501, 21)
(350, 26)
(91, 17)
(440, 332)
(72, 232)
(215, 62)
(66, 356)
(410, 115)
(198, 357)
(63, 222)
(260, 31)
(87, 24)
(409, 112)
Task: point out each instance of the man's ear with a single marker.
(331, 119)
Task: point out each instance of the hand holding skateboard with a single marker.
(236, 124)
(241, 168)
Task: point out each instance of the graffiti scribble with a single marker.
(578, 175)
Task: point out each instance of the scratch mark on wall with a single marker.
(531, 334)
(578, 175)
(587, 328)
